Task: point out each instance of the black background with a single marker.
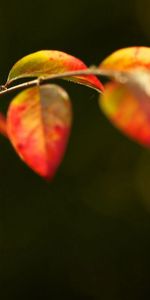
(85, 235)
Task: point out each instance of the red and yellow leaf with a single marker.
(49, 62)
(127, 59)
(128, 111)
(38, 123)
(3, 127)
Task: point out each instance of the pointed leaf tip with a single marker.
(38, 122)
(49, 62)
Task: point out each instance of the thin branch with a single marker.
(4, 89)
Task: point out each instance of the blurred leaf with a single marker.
(128, 111)
(130, 66)
(127, 102)
(49, 62)
(127, 59)
(3, 129)
(39, 121)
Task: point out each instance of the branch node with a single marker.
(3, 88)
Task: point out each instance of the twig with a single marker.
(4, 89)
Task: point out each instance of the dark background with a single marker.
(86, 235)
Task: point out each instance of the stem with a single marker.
(5, 90)
(90, 71)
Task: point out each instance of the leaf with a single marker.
(127, 59)
(129, 112)
(49, 62)
(38, 122)
(3, 127)
(127, 102)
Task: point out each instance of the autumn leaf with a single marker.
(127, 59)
(3, 127)
(38, 123)
(49, 62)
(126, 100)
(129, 112)
(130, 66)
